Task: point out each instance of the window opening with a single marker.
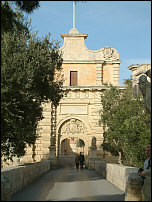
(73, 78)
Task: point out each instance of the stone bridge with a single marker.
(101, 182)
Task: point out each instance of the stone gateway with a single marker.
(77, 115)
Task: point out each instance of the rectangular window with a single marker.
(73, 78)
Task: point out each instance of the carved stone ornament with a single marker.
(93, 143)
(109, 53)
(145, 88)
(73, 126)
(53, 140)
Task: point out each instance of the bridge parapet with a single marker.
(124, 177)
(133, 191)
(16, 178)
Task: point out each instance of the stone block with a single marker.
(133, 188)
(146, 189)
(5, 189)
(91, 163)
(100, 167)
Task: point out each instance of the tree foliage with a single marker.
(30, 76)
(125, 123)
(8, 15)
(80, 143)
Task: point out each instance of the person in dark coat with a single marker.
(77, 161)
(81, 160)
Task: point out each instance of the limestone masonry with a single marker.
(77, 115)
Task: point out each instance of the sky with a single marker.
(123, 25)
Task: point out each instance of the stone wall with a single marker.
(117, 174)
(16, 178)
(124, 177)
(133, 190)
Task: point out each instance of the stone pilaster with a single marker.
(116, 74)
(99, 74)
(92, 157)
(52, 147)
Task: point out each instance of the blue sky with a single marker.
(123, 25)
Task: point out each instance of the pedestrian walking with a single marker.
(77, 161)
(81, 159)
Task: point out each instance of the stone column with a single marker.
(52, 146)
(92, 157)
(33, 152)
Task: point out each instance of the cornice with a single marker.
(73, 35)
(89, 88)
(91, 61)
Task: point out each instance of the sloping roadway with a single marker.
(69, 184)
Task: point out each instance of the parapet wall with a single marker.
(124, 177)
(115, 173)
(15, 179)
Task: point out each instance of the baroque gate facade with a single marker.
(85, 71)
(77, 115)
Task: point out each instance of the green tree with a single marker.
(124, 119)
(30, 76)
(8, 15)
(80, 143)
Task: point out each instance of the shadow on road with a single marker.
(116, 197)
(69, 184)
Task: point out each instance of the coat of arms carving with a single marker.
(73, 126)
(109, 53)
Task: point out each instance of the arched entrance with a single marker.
(80, 146)
(71, 146)
(70, 131)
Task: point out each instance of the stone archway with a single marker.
(65, 145)
(72, 129)
(70, 146)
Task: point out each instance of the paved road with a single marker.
(69, 184)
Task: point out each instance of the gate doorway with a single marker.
(72, 146)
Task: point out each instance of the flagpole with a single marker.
(73, 14)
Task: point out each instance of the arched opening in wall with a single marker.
(80, 146)
(65, 147)
(69, 132)
(70, 146)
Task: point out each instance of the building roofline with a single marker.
(90, 87)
